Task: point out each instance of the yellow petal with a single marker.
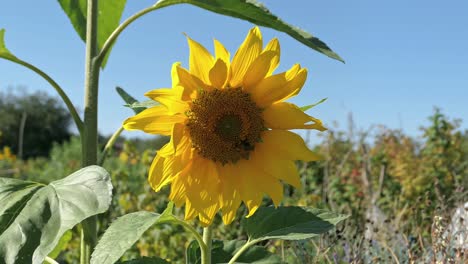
(154, 120)
(171, 98)
(190, 212)
(284, 115)
(273, 45)
(292, 146)
(266, 158)
(264, 181)
(221, 52)
(174, 75)
(207, 215)
(163, 170)
(258, 69)
(203, 188)
(219, 74)
(230, 197)
(177, 135)
(191, 84)
(200, 60)
(178, 192)
(245, 55)
(279, 86)
(250, 194)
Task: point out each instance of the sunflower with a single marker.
(228, 122)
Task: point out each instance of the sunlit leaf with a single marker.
(290, 223)
(35, 228)
(255, 12)
(124, 232)
(109, 14)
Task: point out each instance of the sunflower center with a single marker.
(225, 125)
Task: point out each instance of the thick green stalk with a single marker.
(90, 129)
(207, 238)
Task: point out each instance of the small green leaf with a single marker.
(146, 260)
(307, 107)
(289, 223)
(140, 106)
(37, 227)
(109, 14)
(122, 234)
(223, 251)
(255, 12)
(132, 103)
(4, 52)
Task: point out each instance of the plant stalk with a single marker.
(206, 251)
(89, 137)
(242, 250)
(109, 145)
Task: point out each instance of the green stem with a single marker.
(207, 238)
(62, 94)
(113, 37)
(50, 260)
(89, 137)
(192, 230)
(248, 244)
(109, 145)
(203, 242)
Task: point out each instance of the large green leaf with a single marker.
(223, 251)
(14, 194)
(109, 14)
(124, 232)
(35, 228)
(289, 223)
(255, 12)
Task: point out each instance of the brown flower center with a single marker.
(225, 125)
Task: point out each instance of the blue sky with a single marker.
(402, 57)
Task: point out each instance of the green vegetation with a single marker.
(399, 191)
(31, 123)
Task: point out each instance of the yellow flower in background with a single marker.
(7, 155)
(228, 122)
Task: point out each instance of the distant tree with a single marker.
(31, 123)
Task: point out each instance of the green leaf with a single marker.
(109, 14)
(223, 251)
(132, 103)
(307, 107)
(122, 234)
(14, 194)
(255, 12)
(146, 260)
(290, 223)
(4, 52)
(37, 227)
